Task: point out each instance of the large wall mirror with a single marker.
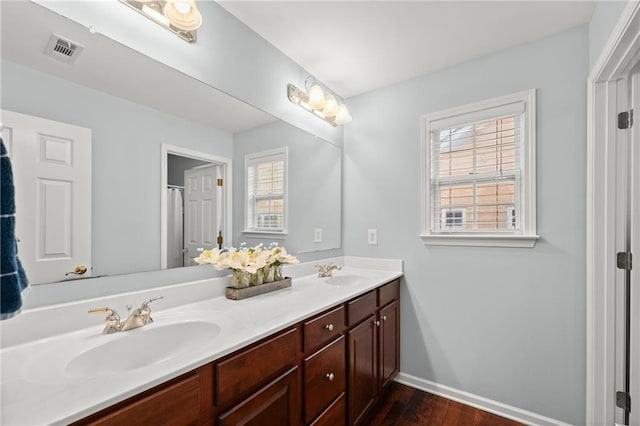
(151, 130)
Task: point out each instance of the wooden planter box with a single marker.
(246, 292)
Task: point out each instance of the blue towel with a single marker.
(13, 280)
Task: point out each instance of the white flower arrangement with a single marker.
(251, 266)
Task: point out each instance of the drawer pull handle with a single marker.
(330, 376)
(376, 323)
(329, 327)
(384, 318)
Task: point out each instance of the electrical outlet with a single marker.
(372, 236)
(317, 235)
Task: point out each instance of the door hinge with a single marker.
(624, 260)
(625, 119)
(623, 400)
(220, 182)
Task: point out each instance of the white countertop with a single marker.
(38, 387)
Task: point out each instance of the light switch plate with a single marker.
(372, 236)
(317, 235)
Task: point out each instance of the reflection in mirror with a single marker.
(130, 112)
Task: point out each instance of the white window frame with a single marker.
(443, 219)
(526, 236)
(257, 157)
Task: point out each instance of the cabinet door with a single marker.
(389, 342)
(363, 369)
(275, 404)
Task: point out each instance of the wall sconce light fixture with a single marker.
(181, 17)
(320, 102)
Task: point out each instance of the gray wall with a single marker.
(228, 55)
(314, 186)
(126, 159)
(505, 324)
(177, 165)
(605, 17)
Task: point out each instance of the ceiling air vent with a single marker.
(62, 49)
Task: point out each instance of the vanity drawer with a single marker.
(324, 378)
(248, 370)
(361, 308)
(388, 293)
(335, 415)
(323, 328)
(178, 403)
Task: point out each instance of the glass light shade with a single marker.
(343, 116)
(331, 108)
(316, 97)
(183, 14)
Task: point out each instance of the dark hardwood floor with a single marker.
(402, 405)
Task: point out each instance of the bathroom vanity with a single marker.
(310, 371)
(318, 353)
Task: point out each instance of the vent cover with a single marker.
(62, 49)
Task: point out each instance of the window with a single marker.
(479, 174)
(266, 187)
(454, 218)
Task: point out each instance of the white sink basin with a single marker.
(138, 348)
(342, 280)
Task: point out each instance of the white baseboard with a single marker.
(495, 407)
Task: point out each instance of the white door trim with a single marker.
(619, 54)
(185, 152)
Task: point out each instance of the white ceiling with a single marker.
(113, 68)
(357, 46)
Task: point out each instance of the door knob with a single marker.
(81, 269)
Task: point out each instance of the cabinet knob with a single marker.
(384, 318)
(330, 376)
(376, 323)
(329, 327)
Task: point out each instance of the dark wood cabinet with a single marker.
(274, 404)
(334, 415)
(248, 369)
(325, 378)
(184, 400)
(328, 369)
(363, 368)
(389, 342)
(373, 347)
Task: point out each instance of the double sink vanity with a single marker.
(317, 353)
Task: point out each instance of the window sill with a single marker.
(277, 235)
(523, 241)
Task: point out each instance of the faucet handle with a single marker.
(111, 313)
(111, 322)
(145, 304)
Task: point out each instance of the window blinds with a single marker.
(265, 193)
(475, 168)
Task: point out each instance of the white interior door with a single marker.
(52, 175)
(203, 217)
(634, 244)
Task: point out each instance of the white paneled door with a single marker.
(202, 210)
(52, 175)
(633, 245)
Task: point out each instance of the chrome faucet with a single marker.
(138, 318)
(325, 271)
